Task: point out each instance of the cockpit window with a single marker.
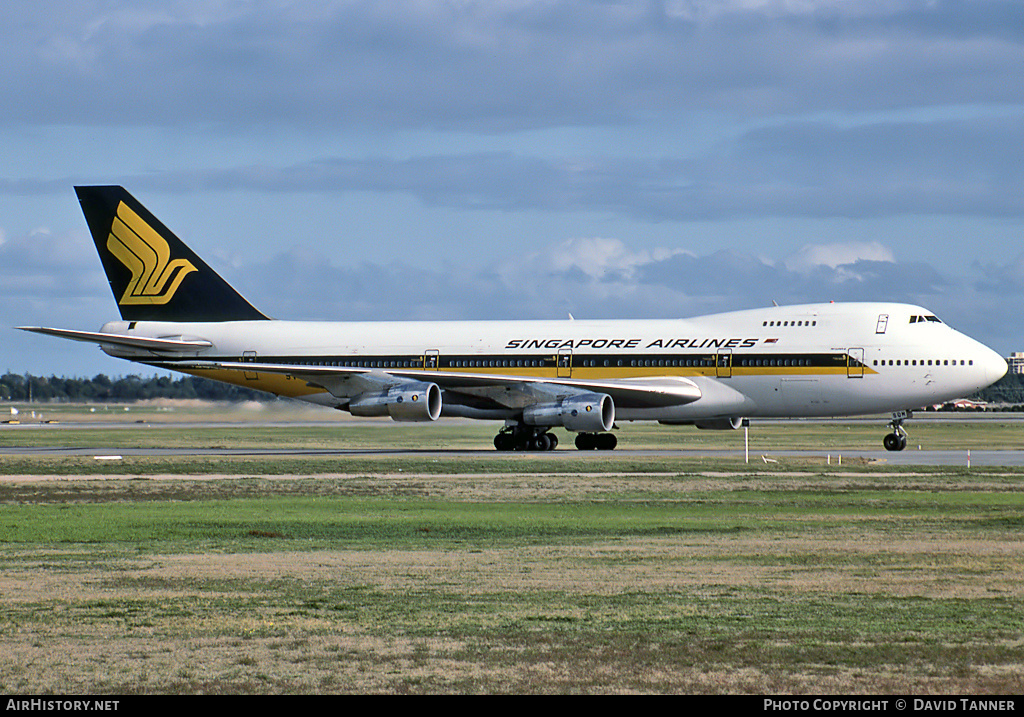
(920, 319)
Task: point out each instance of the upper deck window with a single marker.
(789, 323)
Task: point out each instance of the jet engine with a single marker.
(584, 413)
(405, 402)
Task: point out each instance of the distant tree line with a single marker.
(1007, 390)
(103, 389)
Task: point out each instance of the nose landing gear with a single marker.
(897, 440)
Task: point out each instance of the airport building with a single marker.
(1016, 362)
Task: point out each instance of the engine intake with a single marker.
(405, 402)
(584, 413)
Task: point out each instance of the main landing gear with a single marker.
(596, 441)
(529, 438)
(525, 438)
(897, 440)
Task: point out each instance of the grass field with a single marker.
(599, 574)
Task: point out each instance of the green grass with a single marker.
(367, 523)
(506, 574)
(327, 512)
(559, 614)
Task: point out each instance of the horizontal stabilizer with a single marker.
(135, 342)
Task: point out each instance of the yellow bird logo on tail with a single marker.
(155, 277)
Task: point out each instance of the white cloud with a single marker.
(812, 256)
(597, 257)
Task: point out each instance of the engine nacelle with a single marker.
(720, 424)
(587, 413)
(406, 402)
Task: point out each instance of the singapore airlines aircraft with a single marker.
(710, 371)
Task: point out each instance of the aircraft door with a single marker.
(564, 363)
(855, 363)
(723, 363)
(431, 359)
(249, 357)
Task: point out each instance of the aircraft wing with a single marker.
(346, 382)
(172, 344)
(509, 391)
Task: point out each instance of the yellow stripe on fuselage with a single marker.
(289, 386)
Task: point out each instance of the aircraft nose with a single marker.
(994, 366)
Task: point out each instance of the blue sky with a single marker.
(509, 158)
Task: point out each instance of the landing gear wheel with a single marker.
(525, 438)
(505, 441)
(894, 442)
(541, 442)
(596, 441)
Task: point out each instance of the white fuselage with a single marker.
(810, 360)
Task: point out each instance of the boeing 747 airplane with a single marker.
(816, 360)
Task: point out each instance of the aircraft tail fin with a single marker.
(153, 274)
